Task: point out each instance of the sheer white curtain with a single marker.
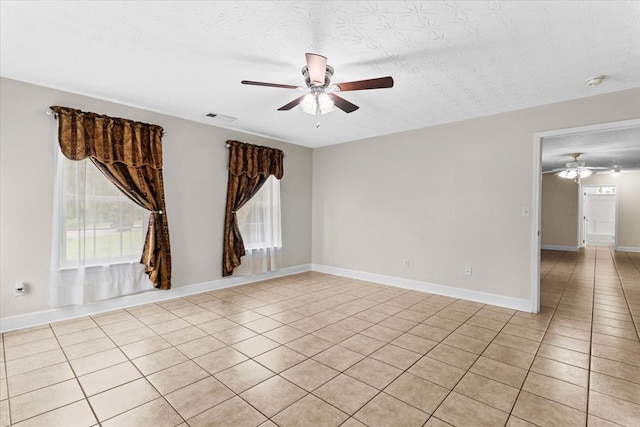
(259, 222)
(98, 236)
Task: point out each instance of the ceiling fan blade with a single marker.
(379, 83)
(249, 82)
(317, 66)
(292, 104)
(342, 103)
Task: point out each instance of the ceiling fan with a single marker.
(575, 169)
(320, 95)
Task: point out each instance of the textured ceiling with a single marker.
(613, 149)
(451, 60)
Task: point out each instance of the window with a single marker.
(259, 223)
(99, 224)
(98, 237)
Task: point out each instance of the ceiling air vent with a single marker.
(221, 117)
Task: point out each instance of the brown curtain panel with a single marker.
(129, 154)
(249, 168)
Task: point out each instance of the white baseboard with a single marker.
(44, 317)
(627, 249)
(559, 248)
(416, 285)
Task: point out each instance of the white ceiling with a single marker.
(451, 60)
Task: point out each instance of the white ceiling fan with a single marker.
(575, 169)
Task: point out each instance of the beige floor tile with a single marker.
(178, 376)
(477, 332)
(88, 347)
(39, 378)
(234, 335)
(437, 372)
(436, 422)
(399, 323)
(362, 344)
(466, 343)
(159, 360)
(157, 413)
(36, 361)
(97, 361)
(492, 393)
(184, 335)
(484, 322)
(128, 337)
(80, 336)
(280, 359)
(543, 412)
(244, 376)
(217, 325)
(615, 387)
(200, 346)
(75, 325)
(561, 371)
(556, 390)
(123, 326)
(354, 324)
(385, 410)
(196, 398)
(617, 354)
(244, 317)
(374, 373)
(612, 409)
(309, 345)
(145, 346)
(461, 410)
(453, 356)
(564, 355)
(346, 393)
(220, 360)
(105, 379)
(76, 414)
(310, 411)
(396, 356)
(256, 345)
(263, 325)
(517, 343)
(508, 355)
(414, 343)
(273, 395)
(123, 398)
(567, 342)
(517, 422)
(309, 374)
(284, 334)
(429, 332)
(233, 412)
(616, 369)
(4, 413)
(501, 372)
(334, 334)
(29, 349)
(338, 357)
(417, 392)
(43, 400)
(19, 338)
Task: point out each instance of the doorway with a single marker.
(599, 215)
(536, 225)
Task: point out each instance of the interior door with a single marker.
(599, 215)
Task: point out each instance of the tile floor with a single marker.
(320, 350)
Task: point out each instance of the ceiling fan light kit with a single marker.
(320, 97)
(576, 170)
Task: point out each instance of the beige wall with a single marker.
(628, 205)
(559, 211)
(195, 173)
(444, 197)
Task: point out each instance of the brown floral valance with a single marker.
(254, 160)
(108, 139)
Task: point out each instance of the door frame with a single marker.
(536, 210)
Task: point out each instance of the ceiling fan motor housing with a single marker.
(327, 78)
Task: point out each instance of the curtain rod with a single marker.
(50, 112)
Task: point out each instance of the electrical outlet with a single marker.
(467, 271)
(405, 263)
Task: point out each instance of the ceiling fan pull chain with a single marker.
(318, 112)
